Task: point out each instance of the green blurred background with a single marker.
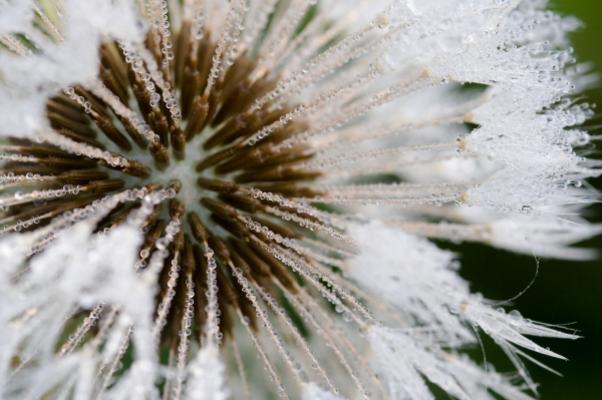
(563, 292)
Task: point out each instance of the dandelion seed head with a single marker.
(210, 200)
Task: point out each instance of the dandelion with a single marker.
(205, 199)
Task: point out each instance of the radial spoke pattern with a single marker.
(249, 144)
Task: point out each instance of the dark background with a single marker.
(563, 292)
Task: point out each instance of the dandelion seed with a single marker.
(205, 199)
